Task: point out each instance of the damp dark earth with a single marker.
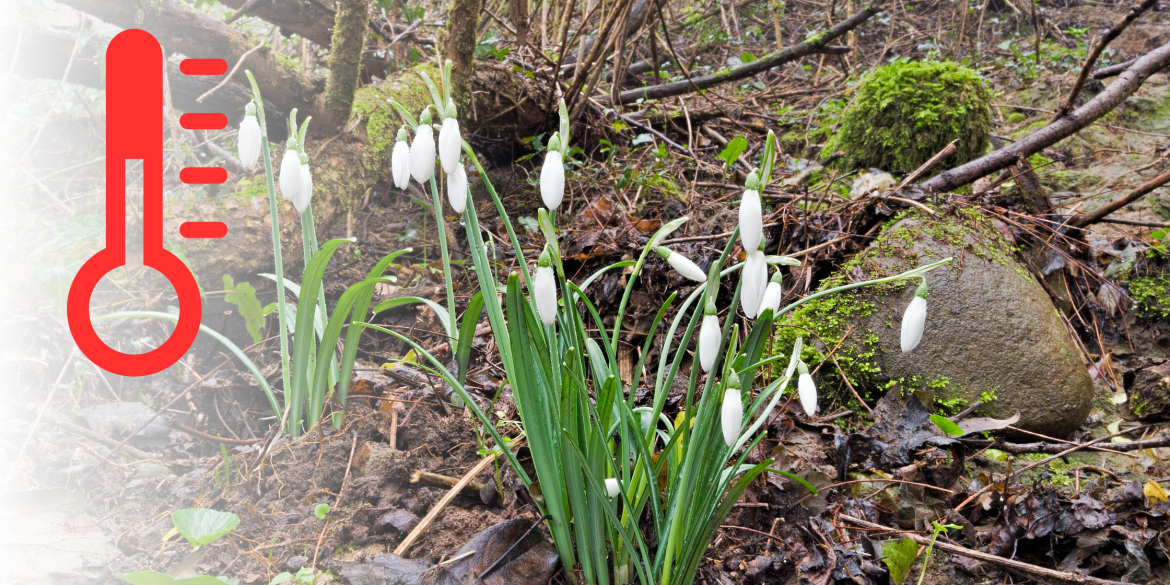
(592, 292)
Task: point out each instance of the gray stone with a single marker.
(989, 325)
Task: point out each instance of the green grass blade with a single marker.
(302, 344)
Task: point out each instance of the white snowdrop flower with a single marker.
(755, 283)
(732, 411)
(682, 264)
(751, 214)
(422, 151)
(552, 175)
(709, 335)
(457, 187)
(305, 189)
(806, 389)
(772, 295)
(290, 171)
(248, 139)
(400, 161)
(914, 319)
(544, 289)
(450, 141)
(612, 487)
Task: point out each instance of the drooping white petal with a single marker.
(248, 141)
(290, 175)
(552, 180)
(808, 394)
(685, 267)
(732, 416)
(457, 187)
(450, 143)
(772, 297)
(913, 320)
(755, 282)
(544, 288)
(709, 334)
(422, 154)
(304, 190)
(751, 220)
(400, 164)
(612, 488)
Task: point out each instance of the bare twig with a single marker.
(1112, 70)
(1044, 461)
(177, 397)
(1098, 47)
(1127, 83)
(1098, 214)
(816, 44)
(37, 423)
(446, 499)
(337, 501)
(1021, 448)
(1009, 564)
(231, 73)
(926, 166)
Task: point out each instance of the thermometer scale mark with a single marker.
(134, 131)
(212, 121)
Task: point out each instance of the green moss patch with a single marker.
(907, 112)
(1151, 296)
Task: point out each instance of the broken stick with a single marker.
(1009, 564)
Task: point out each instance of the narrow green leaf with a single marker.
(946, 426)
(467, 333)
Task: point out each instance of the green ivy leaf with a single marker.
(201, 526)
(243, 296)
(733, 150)
(899, 555)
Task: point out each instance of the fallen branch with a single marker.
(1098, 47)
(1127, 83)
(1112, 70)
(926, 166)
(1050, 448)
(1009, 564)
(1074, 448)
(1099, 214)
(818, 43)
(197, 35)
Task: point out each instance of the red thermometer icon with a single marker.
(134, 131)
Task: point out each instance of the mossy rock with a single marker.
(990, 326)
(907, 112)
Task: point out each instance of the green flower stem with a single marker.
(913, 273)
(282, 309)
(440, 223)
(503, 214)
